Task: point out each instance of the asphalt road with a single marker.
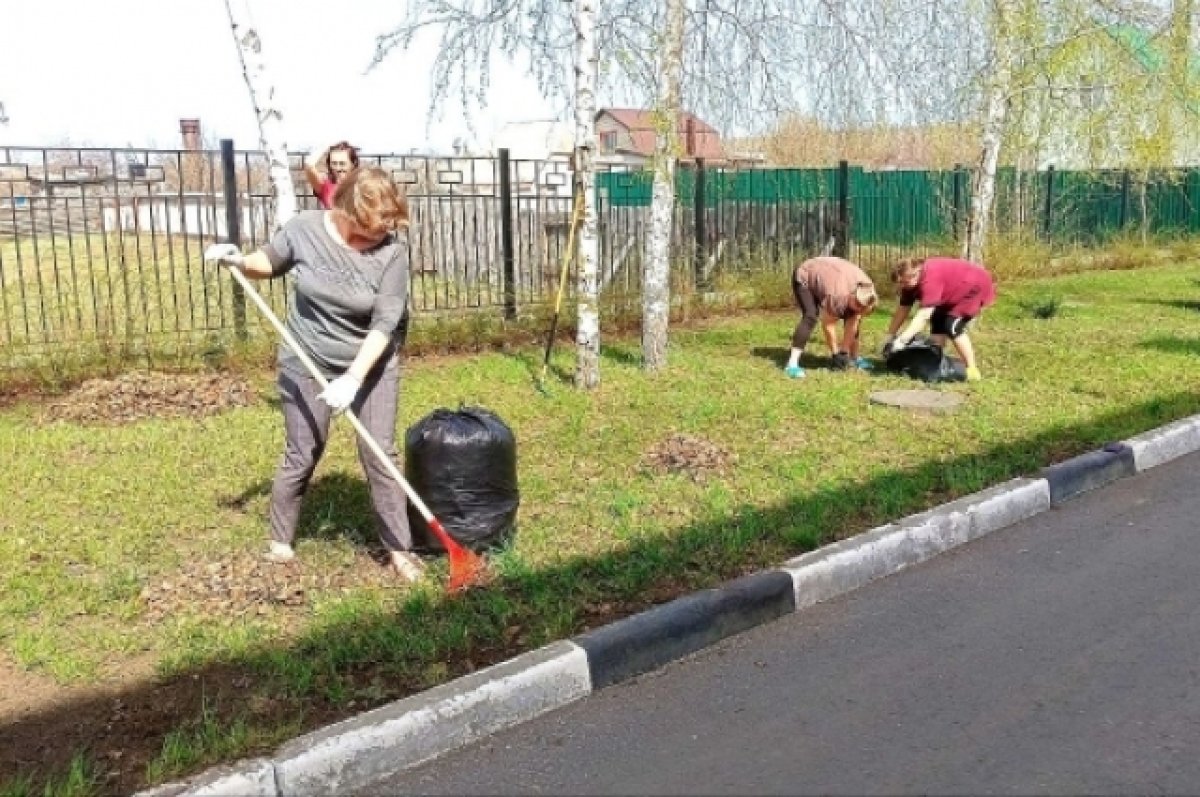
(1059, 656)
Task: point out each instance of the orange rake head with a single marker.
(467, 569)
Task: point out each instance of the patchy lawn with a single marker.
(141, 638)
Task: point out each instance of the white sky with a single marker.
(118, 72)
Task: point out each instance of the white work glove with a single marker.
(224, 254)
(341, 392)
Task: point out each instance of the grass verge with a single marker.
(93, 516)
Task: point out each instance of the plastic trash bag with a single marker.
(463, 465)
(923, 360)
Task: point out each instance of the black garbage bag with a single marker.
(463, 464)
(922, 359)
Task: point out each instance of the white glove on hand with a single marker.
(225, 254)
(900, 343)
(341, 392)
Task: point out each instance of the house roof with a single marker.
(698, 138)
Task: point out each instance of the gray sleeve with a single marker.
(392, 299)
(281, 250)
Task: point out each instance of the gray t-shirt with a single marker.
(340, 294)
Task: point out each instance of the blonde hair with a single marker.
(867, 298)
(370, 197)
(903, 269)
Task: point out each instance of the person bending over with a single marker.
(951, 292)
(829, 290)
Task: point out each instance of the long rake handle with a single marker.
(576, 212)
(384, 459)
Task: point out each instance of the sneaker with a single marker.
(973, 374)
(407, 565)
(280, 553)
(794, 372)
(863, 364)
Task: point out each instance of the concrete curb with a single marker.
(648, 640)
(253, 777)
(1088, 471)
(351, 754)
(1165, 443)
(849, 564)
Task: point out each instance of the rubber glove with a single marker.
(341, 392)
(224, 254)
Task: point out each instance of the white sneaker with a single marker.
(279, 553)
(408, 565)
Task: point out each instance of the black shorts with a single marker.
(942, 323)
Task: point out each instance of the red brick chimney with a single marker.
(190, 130)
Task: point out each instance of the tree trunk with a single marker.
(271, 137)
(587, 339)
(999, 88)
(656, 280)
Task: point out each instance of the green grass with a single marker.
(79, 780)
(94, 514)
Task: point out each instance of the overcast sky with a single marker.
(118, 72)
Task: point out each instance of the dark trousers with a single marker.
(808, 321)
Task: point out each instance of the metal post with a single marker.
(956, 213)
(842, 247)
(1048, 217)
(506, 236)
(233, 229)
(701, 228)
(1124, 200)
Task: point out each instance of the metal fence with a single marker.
(105, 245)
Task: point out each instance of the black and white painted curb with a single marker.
(350, 755)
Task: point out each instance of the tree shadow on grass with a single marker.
(778, 356)
(336, 506)
(1172, 345)
(555, 374)
(1179, 304)
(371, 657)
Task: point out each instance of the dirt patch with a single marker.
(695, 457)
(141, 395)
(245, 585)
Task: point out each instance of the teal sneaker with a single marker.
(794, 372)
(863, 364)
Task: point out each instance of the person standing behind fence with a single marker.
(951, 292)
(349, 313)
(339, 160)
(830, 289)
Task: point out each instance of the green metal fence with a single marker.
(903, 207)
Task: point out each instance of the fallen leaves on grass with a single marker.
(244, 585)
(145, 394)
(693, 456)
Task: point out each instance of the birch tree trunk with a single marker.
(656, 279)
(999, 88)
(587, 339)
(271, 137)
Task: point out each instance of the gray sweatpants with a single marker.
(306, 421)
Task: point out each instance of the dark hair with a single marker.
(342, 146)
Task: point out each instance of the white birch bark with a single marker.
(656, 279)
(587, 339)
(983, 185)
(263, 96)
